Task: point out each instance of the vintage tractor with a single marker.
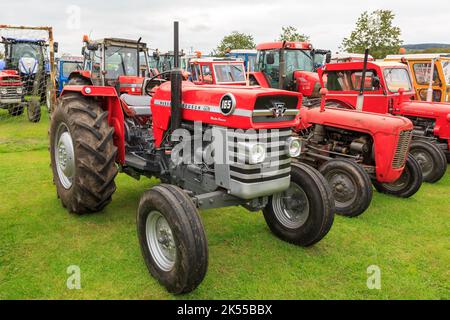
(387, 89)
(224, 71)
(113, 62)
(292, 66)
(430, 74)
(209, 146)
(11, 92)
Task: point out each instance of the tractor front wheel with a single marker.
(82, 154)
(408, 183)
(34, 111)
(430, 160)
(304, 213)
(15, 110)
(172, 238)
(350, 184)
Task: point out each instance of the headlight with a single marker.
(253, 153)
(4, 91)
(257, 154)
(294, 147)
(19, 90)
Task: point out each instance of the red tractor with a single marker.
(11, 92)
(224, 71)
(349, 148)
(209, 146)
(387, 89)
(118, 63)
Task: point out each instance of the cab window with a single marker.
(207, 75)
(349, 81)
(397, 78)
(422, 73)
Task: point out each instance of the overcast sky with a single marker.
(204, 23)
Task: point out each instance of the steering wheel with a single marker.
(149, 87)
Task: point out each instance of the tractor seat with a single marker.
(139, 104)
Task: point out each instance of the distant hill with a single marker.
(424, 46)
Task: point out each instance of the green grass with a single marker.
(409, 239)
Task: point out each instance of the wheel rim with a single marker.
(64, 156)
(291, 207)
(343, 186)
(160, 241)
(425, 161)
(401, 182)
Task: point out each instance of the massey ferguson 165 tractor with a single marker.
(388, 89)
(11, 92)
(350, 151)
(118, 63)
(211, 146)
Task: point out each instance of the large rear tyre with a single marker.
(350, 184)
(172, 238)
(430, 160)
(408, 183)
(82, 154)
(304, 213)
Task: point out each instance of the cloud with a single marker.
(203, 23)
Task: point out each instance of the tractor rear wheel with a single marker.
(15, 110)
(172, 238)
(408, 183)
(34, 111)
(82, 154)
(350, 184)
(304, 213)
(430, 160)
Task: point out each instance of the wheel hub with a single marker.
(425, 161)
(65, 157)
(291, 207)
(160, 240)
(344, 188)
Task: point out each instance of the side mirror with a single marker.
(55, 47)
(83, 51)
(328, 57)
(270, 58)
(92, 46)
(376, 82)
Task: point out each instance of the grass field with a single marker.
(409, 239)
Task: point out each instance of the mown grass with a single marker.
(409, 239)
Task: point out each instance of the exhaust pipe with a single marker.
(175, 83)
(360, 99)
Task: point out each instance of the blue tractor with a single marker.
(64, 67)
(246, 55)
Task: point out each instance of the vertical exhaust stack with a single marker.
(360, 99)
(175, 84)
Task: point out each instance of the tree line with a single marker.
(374, 30)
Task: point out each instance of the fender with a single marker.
(110, 102)
(80, 73)
(308, 83)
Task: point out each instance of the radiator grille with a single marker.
(277, 162)
(401, 152)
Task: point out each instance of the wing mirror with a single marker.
(92, 46)
(328, 57)
(55, 47)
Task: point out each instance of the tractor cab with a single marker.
(119, 63)
(246, 55)
(385, 84)
(290, 66)
(429, 85)
(223, 71)
(64, 67)
(164, 62)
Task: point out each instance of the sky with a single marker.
(204, 23)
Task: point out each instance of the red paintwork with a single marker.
(287, 44)
(111, 103)
(207, 97)
(383, 101)
(210, 95)
(383, 129)
(10, 75)
(131, 85)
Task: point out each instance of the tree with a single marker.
(291, 33)
(235, 40)
(376, 32)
